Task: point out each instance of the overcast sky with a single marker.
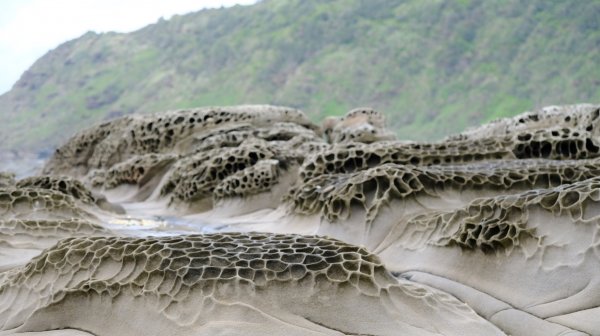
(29, 28)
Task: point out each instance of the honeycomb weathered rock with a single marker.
(253, 180)
(38, 203)
(579, 118)
(64, 184)
(194, 150)
(497, 223)
(197, 176)
(173, 274)
(169, 132)
(38, 234)
(333, 195)
(71, 187)
(44, 228)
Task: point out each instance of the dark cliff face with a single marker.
(432, 67)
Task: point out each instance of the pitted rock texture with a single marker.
(359, 125)
(255, 259)
(347, 158)
(556, 144)
(135, 171)
(43, 233)
(334, 195)
(579, 118)
(547, 141)
(505, 217)
(505, 247)
(64, 184)
(556, 132)
(70, 187)
(503, 230)
(236, 134)
(182, 272)
(169, 132)
(256, 179)
(193, 150)
(487, 223)
(197, 176)
(64, 228)
(38, 203)
(39, 211)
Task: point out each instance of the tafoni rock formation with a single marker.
(251, 220)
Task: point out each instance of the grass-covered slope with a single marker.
(433, 67)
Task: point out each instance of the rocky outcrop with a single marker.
(334, 195)
(338, 230)
(36, 212)
(188, 154)
(175, 132)
(512, 243)
(183, 282)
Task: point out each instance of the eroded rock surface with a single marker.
(184, 156)
(563, 120)
(544, 236)
(334, 195)
(175, 132)
(38, 211)
(182, 283)
(491, 231)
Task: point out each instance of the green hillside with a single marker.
(434, 67)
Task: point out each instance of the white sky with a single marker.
(29, 28)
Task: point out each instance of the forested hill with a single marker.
(433, 67)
